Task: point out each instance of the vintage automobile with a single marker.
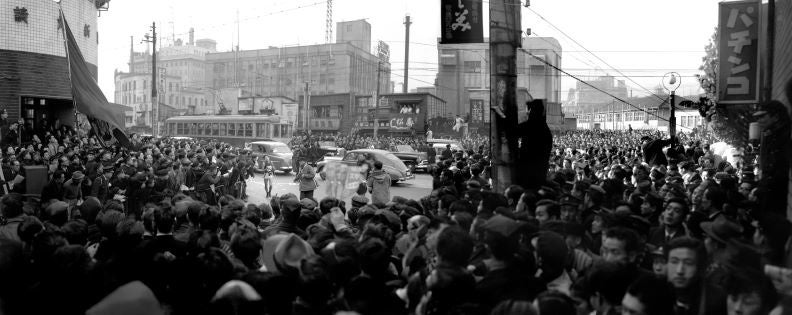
(415, 160)
(440, 144)
(390, 163)
(278, 152)
(328, 148)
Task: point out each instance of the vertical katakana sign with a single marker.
(461, 21)
(738, 74)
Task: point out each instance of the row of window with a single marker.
(132, 86)
(628, 116)
(172, 100)
(261, 130)
(691, 121)
(267, 64)
(264, 83)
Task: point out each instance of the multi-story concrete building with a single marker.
(584, 99)
(342, 67)
(463, 78)
(208, 81)
(540, 79)
(182, 67)
(34, 78)
(462, 67)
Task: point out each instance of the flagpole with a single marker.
(68, 63)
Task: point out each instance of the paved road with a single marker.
(283, 184)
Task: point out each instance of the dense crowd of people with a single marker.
(626, 223)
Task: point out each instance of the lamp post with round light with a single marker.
(671, 82)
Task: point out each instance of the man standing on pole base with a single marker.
(774, 155)
(653, 150)
(536, 142)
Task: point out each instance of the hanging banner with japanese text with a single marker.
(738, 74)
(461, 21)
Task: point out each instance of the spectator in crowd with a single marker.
(588, 238)
(379, 183)
(306, 178)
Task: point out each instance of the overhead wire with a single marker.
(593, 54)
(598, 89)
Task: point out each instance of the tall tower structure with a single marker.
(329, 22)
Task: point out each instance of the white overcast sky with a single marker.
(643, 39)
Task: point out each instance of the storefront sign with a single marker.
(403, 121)
(738, 77)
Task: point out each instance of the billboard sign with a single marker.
(738, 46)
(289, 112)
(461, 21)
(245, 104)
(383, 51)
(262, 103)
(477, 111)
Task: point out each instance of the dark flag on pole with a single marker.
(107, 120)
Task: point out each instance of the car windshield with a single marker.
(281, 149)
(404, 148)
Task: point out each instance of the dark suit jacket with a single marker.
(100, 188)
(657, 236)
(166, 243)
(653, 152)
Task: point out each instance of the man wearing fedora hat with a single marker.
(74, 187)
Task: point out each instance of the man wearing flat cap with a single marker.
(101, 185)
(774, 153)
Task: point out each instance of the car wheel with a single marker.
(394, 182)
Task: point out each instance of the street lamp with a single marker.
(671, 82)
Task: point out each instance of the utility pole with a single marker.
(768, 92)
(376, 98)
(379, 70)
(131, 54)
(672, 116)
(307, 107)
(154, 101)
(505, 38)
(406, 53)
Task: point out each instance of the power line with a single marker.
(589, 63)
(593, 54)
(594, 87)
(256, 17)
